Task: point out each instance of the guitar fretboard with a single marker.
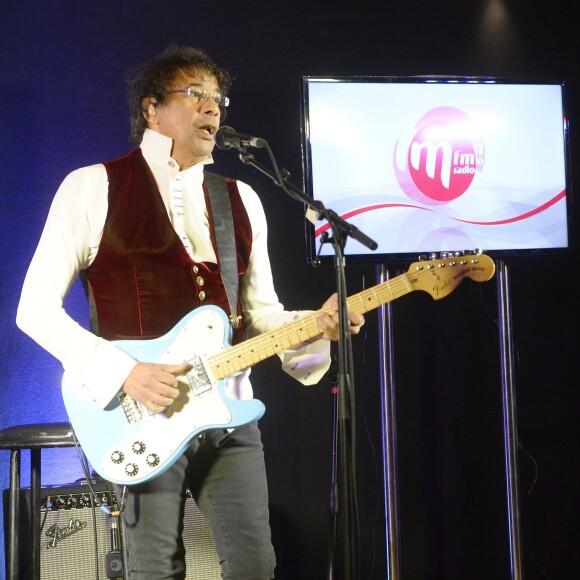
(438, 277)
(259, 348)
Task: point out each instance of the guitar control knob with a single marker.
(152, 460)
(117, 457)
(138, 447)
(131, 469)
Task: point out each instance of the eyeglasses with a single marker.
(199, 96)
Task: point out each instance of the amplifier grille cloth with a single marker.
(200, 554)
(73, 557)
(67, 543)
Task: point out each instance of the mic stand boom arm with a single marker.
(345, 430)
(280, 178)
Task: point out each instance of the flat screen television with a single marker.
(436, 164)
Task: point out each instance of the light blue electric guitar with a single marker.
(127, 444)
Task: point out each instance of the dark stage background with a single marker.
(62, 68)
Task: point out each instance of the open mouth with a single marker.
(209, 130)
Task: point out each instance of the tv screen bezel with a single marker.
(312, 248)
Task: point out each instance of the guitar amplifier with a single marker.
(75, 537)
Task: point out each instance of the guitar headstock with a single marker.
(439, 276)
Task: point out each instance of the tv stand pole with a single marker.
(510, 431)
(389, 426)
(509, 427)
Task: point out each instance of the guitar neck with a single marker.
(259, 348)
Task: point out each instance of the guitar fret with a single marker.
(359, 296)
(292, 335)
(404, 281)
(312, 329)
(363, 301)
(389, 288)
(375, 293)
(383, 293)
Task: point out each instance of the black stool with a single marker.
(35, 438)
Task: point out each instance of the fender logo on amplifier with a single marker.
(58, 534)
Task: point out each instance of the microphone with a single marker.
(226, 138)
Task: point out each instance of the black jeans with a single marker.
(225, 472)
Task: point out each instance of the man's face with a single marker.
(189, 123)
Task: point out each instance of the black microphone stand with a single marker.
(343, 489)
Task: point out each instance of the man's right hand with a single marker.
(154, 385)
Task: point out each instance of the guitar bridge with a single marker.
(197, 377)
(131, 408)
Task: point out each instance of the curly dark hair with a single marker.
(154, 77)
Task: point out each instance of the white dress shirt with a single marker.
(70, 241)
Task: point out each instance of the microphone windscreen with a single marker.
(220, 137)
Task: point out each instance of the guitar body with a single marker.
(124, 442)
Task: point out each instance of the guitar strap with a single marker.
(223, 225)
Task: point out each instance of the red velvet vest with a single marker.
(142, 281)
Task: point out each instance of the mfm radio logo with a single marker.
(442, 157)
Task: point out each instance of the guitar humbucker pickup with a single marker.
(197, 377)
